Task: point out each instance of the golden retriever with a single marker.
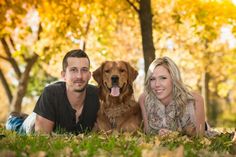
(118, 108)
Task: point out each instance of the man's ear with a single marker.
(90, 75)
(63, 73)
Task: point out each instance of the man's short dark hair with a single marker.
(78, 53)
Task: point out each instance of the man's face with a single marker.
(77, 74)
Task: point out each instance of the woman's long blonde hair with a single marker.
(181, 94)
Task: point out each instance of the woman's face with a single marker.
(162, 84)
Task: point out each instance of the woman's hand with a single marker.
(164, 132)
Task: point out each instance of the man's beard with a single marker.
(81, 90)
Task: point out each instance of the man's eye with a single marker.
(73, 70)
(84, 70)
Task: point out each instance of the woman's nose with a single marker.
(157, 83)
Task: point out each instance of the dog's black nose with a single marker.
(114, 79)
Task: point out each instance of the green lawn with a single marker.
(114, 144)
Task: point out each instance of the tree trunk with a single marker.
(22, 87)
(205, 92)
(145, 18)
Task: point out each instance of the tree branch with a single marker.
(4, 58)
(86, 33)
(40, 30)
(133, 6)
(12, 43)
(6, 86)
(10, 58)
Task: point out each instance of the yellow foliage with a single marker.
(188, 31)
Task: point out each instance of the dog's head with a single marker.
(115, 77)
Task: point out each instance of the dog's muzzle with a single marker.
(115, 80)
(115, 90)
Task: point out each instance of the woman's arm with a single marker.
(144, 113)
(200, 114)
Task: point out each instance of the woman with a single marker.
(167, 105)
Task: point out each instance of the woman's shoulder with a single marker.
(198, 100)
(197, 96)
(141, 98)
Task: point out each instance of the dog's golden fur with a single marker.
(118, 109)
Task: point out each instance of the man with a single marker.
(69, 106)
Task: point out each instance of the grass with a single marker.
(114, 144)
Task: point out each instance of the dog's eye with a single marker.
(122, 70)
(107, 71)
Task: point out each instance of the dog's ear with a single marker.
(97, 74)
(131, 72)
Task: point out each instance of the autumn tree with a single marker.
(144, 10)
(187, 31)
(10, 53)
(207, 20)
(27, 39)
(58, 26)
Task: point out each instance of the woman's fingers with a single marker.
(164, 132)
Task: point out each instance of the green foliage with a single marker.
(222, 143)
(37, 82)
(113, 144)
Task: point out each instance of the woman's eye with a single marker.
(152, 79)
(163, 77)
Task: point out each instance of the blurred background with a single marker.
(199, 35)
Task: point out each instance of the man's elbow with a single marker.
(43, 125)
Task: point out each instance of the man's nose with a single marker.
(79, 74)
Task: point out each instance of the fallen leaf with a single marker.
(7, 153)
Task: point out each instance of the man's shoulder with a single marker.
(55, 86)
(91, 89)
